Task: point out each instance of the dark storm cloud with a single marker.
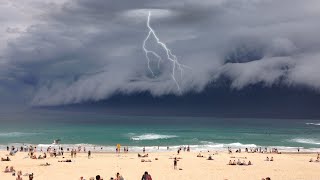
(72, 51)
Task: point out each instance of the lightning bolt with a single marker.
(170, 56)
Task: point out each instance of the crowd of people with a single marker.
(256, 150)
(19, 173)
(243, 163)
(54, 152)
(145, 176)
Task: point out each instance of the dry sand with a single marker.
(284, 166)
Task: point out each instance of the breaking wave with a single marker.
(152, 137)
(306, 141)
(315, 124)
(15, 134)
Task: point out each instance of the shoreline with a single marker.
(154, 148)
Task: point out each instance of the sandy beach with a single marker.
(285, 166)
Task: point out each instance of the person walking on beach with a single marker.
(175, 163)
(89, 154)
(144, 149)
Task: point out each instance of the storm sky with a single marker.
(61, 52)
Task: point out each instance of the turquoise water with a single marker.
(136, 132)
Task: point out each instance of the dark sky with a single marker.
(233, 57)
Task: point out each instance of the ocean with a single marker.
(96, 131)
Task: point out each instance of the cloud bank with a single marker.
(73, 51)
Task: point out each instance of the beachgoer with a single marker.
(31, 176)
(175, 163)
(6, 170)
(12, 169)
(19, 177)
(267, 159)
(267, 178)
(271, 159)
(119, 177)
(146, 176)
(98, 177)
(230, 162)
(249, 163)
(89, 154)
(210, 157)
(144, 150)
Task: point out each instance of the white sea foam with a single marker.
(233, 145)
(209, 146)
(152, 137)
(15, 134)
(315, 124)
(306, 141)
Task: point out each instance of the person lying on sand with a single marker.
(46, 164)
(6, 170)
(199, 155)
(149, 160)
(210, 157)
(5, 159)
(12, 169)
(232, 163)
(146, 155)
(67, 160)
